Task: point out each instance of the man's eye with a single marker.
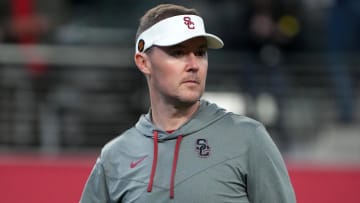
(200, 53)
(177, 53)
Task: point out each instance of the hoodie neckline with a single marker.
(203, 117)
(206, 114)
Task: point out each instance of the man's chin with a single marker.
(186, 102)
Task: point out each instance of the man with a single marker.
(185, 149)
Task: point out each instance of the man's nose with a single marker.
(192, 62)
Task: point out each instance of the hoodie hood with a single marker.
(204, 116)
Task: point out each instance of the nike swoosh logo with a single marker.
(133, 164)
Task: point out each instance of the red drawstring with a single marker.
(153, 168)
(173, 171)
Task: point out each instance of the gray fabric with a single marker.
(242, 164)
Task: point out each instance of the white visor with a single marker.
(174, 30)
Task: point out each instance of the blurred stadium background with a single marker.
(68, 85)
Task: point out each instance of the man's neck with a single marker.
(169, 117)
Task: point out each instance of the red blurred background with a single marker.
(60, 179)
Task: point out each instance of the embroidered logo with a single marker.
(141, 45)
(133, 164)
(190, 24)
(203, 148)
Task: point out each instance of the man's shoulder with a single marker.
(121, 141)
(237, 120)
(241, 127)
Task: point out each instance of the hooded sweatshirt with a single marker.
(215, 157)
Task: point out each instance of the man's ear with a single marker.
(142, 62)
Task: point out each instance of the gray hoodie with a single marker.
(215, 157)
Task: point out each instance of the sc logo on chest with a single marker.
(202, 148)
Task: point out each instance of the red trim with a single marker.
(173, 171)
(153, 168)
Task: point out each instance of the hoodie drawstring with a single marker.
(173, 170)
(153, 168)
(174, 166)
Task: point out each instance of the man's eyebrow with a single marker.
(201, 46)
(177, 46)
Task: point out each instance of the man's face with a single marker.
(178, 73)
